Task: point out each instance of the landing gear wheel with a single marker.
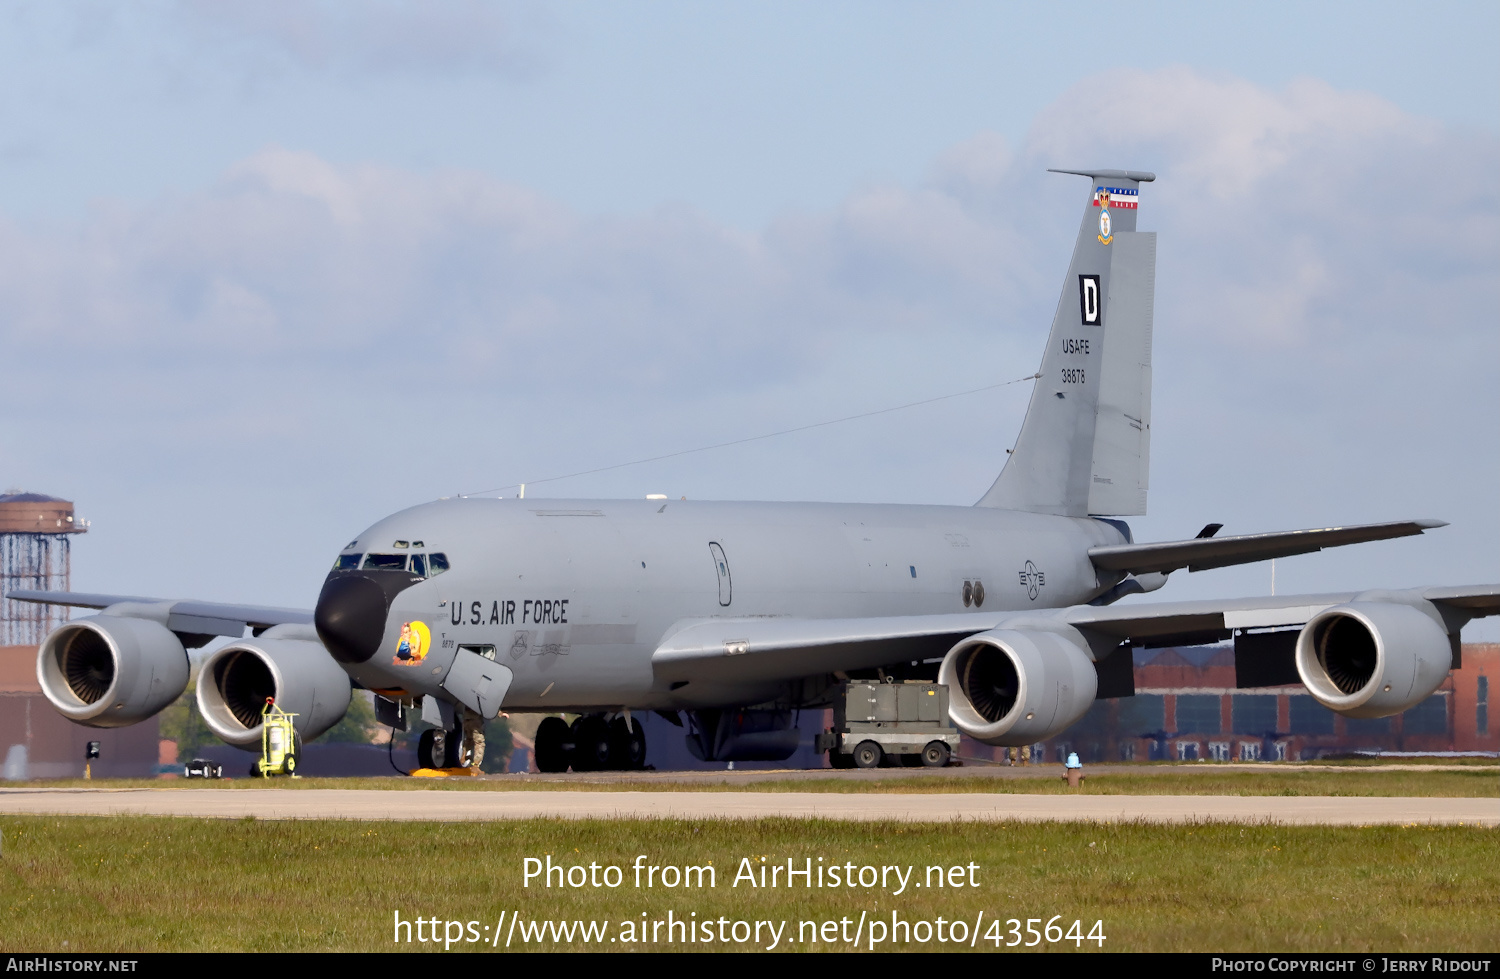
(867, 754)
(432, 749)
(627, 744)
(453, 749)
(935, 755)
(839, 760)
(591, 750)
(553, 741)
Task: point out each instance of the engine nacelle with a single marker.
(1372, 658)
(111, 670)
(287, 663)
(1010, 687)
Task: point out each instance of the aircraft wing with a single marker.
(769, 649)
(727, 650)
(187, 617)
(1481, 600)
(1201, 554)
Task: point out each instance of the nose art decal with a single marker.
(416, 640)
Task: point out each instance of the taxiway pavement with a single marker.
(378, 804)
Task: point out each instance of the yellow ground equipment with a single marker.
(278, 743)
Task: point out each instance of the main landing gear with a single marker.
(592, 743)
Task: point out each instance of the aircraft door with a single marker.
(478, 681)
(721, 569)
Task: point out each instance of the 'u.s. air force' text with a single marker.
(534, 611)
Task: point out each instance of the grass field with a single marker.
(154, 884)
(1436, 781)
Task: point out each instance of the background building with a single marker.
(35, 554)
(1186, 707)
(38, 742)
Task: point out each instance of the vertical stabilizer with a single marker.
(1084, 446)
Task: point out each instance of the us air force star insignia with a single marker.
(1032, 580)
(1105, 235)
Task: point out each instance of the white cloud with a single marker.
(1286, 216)
(1325, 332)
(291, 255)
(1302, 210)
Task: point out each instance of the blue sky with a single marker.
(270, 271)
(741, 110)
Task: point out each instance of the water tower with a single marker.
(35, 554)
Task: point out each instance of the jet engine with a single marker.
(1372, 658)
(1014, 687)
(111, 670)
(286, 663)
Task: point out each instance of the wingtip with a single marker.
(1430, 524)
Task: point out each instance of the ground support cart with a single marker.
(877, 723)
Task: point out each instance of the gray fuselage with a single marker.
(576, 595)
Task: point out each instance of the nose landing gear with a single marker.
(461, 748)
(592, 743)
(432, 749)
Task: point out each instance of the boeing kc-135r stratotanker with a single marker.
(740, 614)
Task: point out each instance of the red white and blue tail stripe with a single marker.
(1119, 197)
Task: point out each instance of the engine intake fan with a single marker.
(1373, 658)
(1015, 687)
(111, 670)
(288, 664)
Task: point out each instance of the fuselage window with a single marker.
(419, 564)
(439, 564)
(385, 562)
(347, 562)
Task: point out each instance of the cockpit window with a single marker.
(385, 562)
(419, 564)
(347, 562)
(439, 564)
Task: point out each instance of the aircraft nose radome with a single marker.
(350, 617)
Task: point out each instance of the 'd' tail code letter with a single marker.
(1085, 445)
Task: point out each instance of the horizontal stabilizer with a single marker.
(1203, 553)
(1142, 176)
